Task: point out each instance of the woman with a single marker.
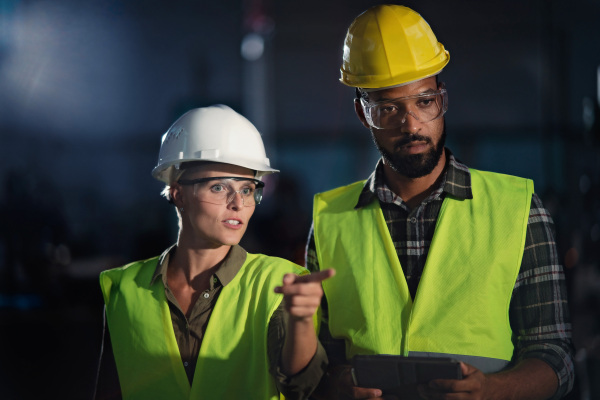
(205, 320)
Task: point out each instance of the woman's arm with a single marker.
(301, 297)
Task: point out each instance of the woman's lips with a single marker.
(233, 223)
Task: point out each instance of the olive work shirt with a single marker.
(189, 334)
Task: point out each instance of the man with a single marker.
(434, 258)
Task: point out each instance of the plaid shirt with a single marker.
(539, 314)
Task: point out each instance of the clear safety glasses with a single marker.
(390, 114)
(222, 189)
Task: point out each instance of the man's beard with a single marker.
(414, 165)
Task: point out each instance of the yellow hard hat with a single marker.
(390, 45)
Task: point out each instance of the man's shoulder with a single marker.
(341, 190)
(460, 169)
(497, 177)
(502, 187)
(494, 174)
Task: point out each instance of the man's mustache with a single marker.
(412, 138)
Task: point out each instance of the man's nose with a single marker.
(412, 122)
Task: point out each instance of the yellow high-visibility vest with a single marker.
(462, 301)
(233, 361)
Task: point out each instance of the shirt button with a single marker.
(206, 295)
(413, 220)
(185, 364)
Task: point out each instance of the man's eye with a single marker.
(426, 102)
(217, 188)
(388, 109)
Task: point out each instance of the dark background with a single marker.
(87, 88)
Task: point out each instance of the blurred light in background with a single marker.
(253, 46)
(69, 69)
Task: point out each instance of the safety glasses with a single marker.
(222, 189)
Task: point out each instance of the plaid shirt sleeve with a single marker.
(539, 313)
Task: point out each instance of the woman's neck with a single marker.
(190, 271)
(192, 259)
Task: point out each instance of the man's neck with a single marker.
(414, 190)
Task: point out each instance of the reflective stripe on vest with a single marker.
(462, 301)
(233, 359)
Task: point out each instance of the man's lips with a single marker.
(413, 145)
(412, 140)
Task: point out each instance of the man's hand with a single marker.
(302, 294)
(530, 379)
(472, 386)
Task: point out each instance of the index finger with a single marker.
(315, 276)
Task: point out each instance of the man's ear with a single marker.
(442, 85)
(360, 113)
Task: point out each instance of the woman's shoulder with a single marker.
(264, 261)
(132, 269)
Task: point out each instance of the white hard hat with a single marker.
(216, 133)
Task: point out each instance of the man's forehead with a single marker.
(411, 89)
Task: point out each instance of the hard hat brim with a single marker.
(386, 81)
(163, 172)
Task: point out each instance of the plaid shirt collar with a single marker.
(456, 181)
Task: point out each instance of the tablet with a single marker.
(400, 375)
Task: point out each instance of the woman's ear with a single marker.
(176, 193)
